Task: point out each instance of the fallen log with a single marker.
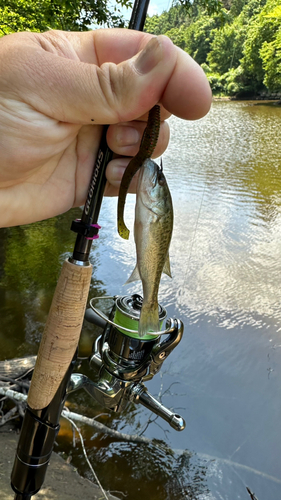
(17, 367)
(101, 428)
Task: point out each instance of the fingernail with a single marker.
(149, 57)
(127, 136)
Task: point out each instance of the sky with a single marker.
(155, 7)
(158, 6)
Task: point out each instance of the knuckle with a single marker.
(110, 79)
(117, 82)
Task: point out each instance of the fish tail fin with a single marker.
(149, 319)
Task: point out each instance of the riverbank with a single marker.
(62, 481)
(274, 101)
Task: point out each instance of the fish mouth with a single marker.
(160, 174)
(158, 178)
(156, 175)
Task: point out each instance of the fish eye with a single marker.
(161, 178)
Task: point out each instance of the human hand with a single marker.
(57, 89)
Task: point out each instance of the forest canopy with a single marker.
(239, 46)
(68, 15)
(73, 15)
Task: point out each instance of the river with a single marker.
(224, 173)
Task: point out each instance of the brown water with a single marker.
(224, 173)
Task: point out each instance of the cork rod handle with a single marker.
(61, 335)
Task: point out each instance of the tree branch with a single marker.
(17, 396)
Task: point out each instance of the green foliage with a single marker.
(239, 47)
(251, 9)
(226, 47)
(270, 54)
(230, 83)
(69, 15)
(260, 59)
(176, 18)
(275, 13)
(211, 6)
(178, 36)
(237, 7)
(200, 36)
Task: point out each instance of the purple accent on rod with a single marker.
(96, 236)
(86, 228)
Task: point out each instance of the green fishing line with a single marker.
(123, 320)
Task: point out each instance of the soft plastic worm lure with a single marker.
(148, 143)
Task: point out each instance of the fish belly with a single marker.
(151, 256)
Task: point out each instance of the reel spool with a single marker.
(127, 314)
(125, 360)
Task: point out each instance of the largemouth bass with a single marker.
(153, 231)
(148, 143)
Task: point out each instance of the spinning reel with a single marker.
(125, 360)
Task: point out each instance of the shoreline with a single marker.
(255, 99)
(62, 481)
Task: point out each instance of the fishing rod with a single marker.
(123, 359)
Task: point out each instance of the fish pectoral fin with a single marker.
(167, 268)
(135, 276)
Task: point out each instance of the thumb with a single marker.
(69, 90)
(132, 87)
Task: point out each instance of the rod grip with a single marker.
(61, 335)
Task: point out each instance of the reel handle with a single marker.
(141, 395)
(92, 317)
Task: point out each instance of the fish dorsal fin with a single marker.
(135, 276)
(167, 268)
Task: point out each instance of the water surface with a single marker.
(225, 377)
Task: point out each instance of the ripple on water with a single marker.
(224, 174)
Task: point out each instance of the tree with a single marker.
(211, 6)
(177, 18)
(70, 15)
(226, 49)
(178, 36)
(200, 35)
(261, 53)
(270, 54)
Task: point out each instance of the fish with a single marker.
(153, 229)
(147, 146)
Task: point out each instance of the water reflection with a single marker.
(31, 260)
(155, 472)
